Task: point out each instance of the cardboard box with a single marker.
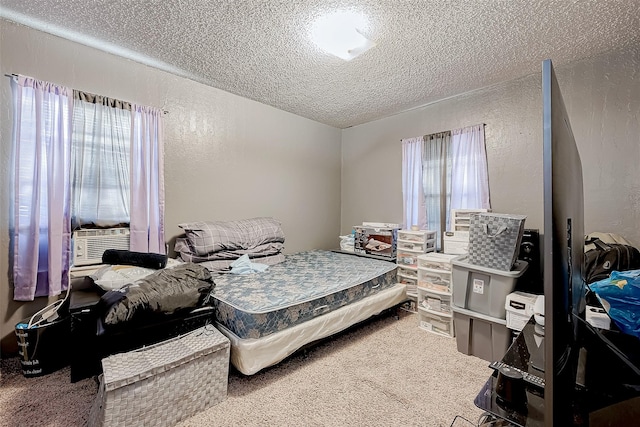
(519, 307)
(381, 241)
(598, 317)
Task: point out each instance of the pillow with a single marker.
(206, 237)
(141, 259)
(113, 277)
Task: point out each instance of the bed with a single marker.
(290, 301)
(300, 298)
(311, 295)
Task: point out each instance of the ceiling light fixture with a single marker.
(340, 34)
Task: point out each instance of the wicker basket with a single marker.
(162, 384)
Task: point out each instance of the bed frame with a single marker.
(254, 354)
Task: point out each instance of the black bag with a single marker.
(608, 257)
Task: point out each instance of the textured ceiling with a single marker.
(427, 50)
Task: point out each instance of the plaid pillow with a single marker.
(206, 237)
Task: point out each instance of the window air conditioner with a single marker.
(89, 245)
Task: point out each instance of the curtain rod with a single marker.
(12, 75)
(433, 133)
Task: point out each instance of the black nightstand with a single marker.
(88, 348)
(84, 355)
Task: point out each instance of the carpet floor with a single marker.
(384, 372)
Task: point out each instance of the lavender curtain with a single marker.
(147, 180)
(469, 172)
(41, 223)
(414, 212)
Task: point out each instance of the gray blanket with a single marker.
(165, 291)
(254, 235)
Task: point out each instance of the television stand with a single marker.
(607, 391)
(529, 412)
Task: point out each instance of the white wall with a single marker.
(226, 157)
(602, 98)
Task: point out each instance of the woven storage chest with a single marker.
(165, 383)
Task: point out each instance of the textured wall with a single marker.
(226, 157)
(602, 97)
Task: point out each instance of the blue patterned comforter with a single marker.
(304, 286)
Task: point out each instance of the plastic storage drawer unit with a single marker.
(436, 261)
(440, 324)
(482, 336)
(482, 289)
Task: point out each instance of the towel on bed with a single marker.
(244, 266)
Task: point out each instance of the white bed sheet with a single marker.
(250, 355)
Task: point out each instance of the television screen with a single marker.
(591, 375)
(564, 287)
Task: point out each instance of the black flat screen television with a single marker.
(564, 286)
(606, 362)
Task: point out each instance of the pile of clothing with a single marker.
(218, 244)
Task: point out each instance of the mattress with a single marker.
(304, 286)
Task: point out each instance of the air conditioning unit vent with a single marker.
(89, 245)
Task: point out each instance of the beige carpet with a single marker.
(386, 372)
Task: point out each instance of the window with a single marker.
(81, 159)
(452, 167)
(100, 162)
(436, 181)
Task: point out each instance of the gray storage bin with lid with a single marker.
(483, 289)
(482, 336)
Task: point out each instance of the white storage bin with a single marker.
(434, 280)
(461, 218)
(412, 284)
(482, 289)
(418, 247)
(436, 261)
(440, 324)
(438, 303)
(416, 236)
(408, 259)
(420, 241)
(456, 243)
(408, 280)
(519, 308)
(408, 272)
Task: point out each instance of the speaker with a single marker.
(530, 251)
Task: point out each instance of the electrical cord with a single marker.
(50, 312)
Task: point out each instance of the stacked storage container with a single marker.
(412, 244)
(479, 314)
(435, 293)
(456, 240)
(483, 279)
